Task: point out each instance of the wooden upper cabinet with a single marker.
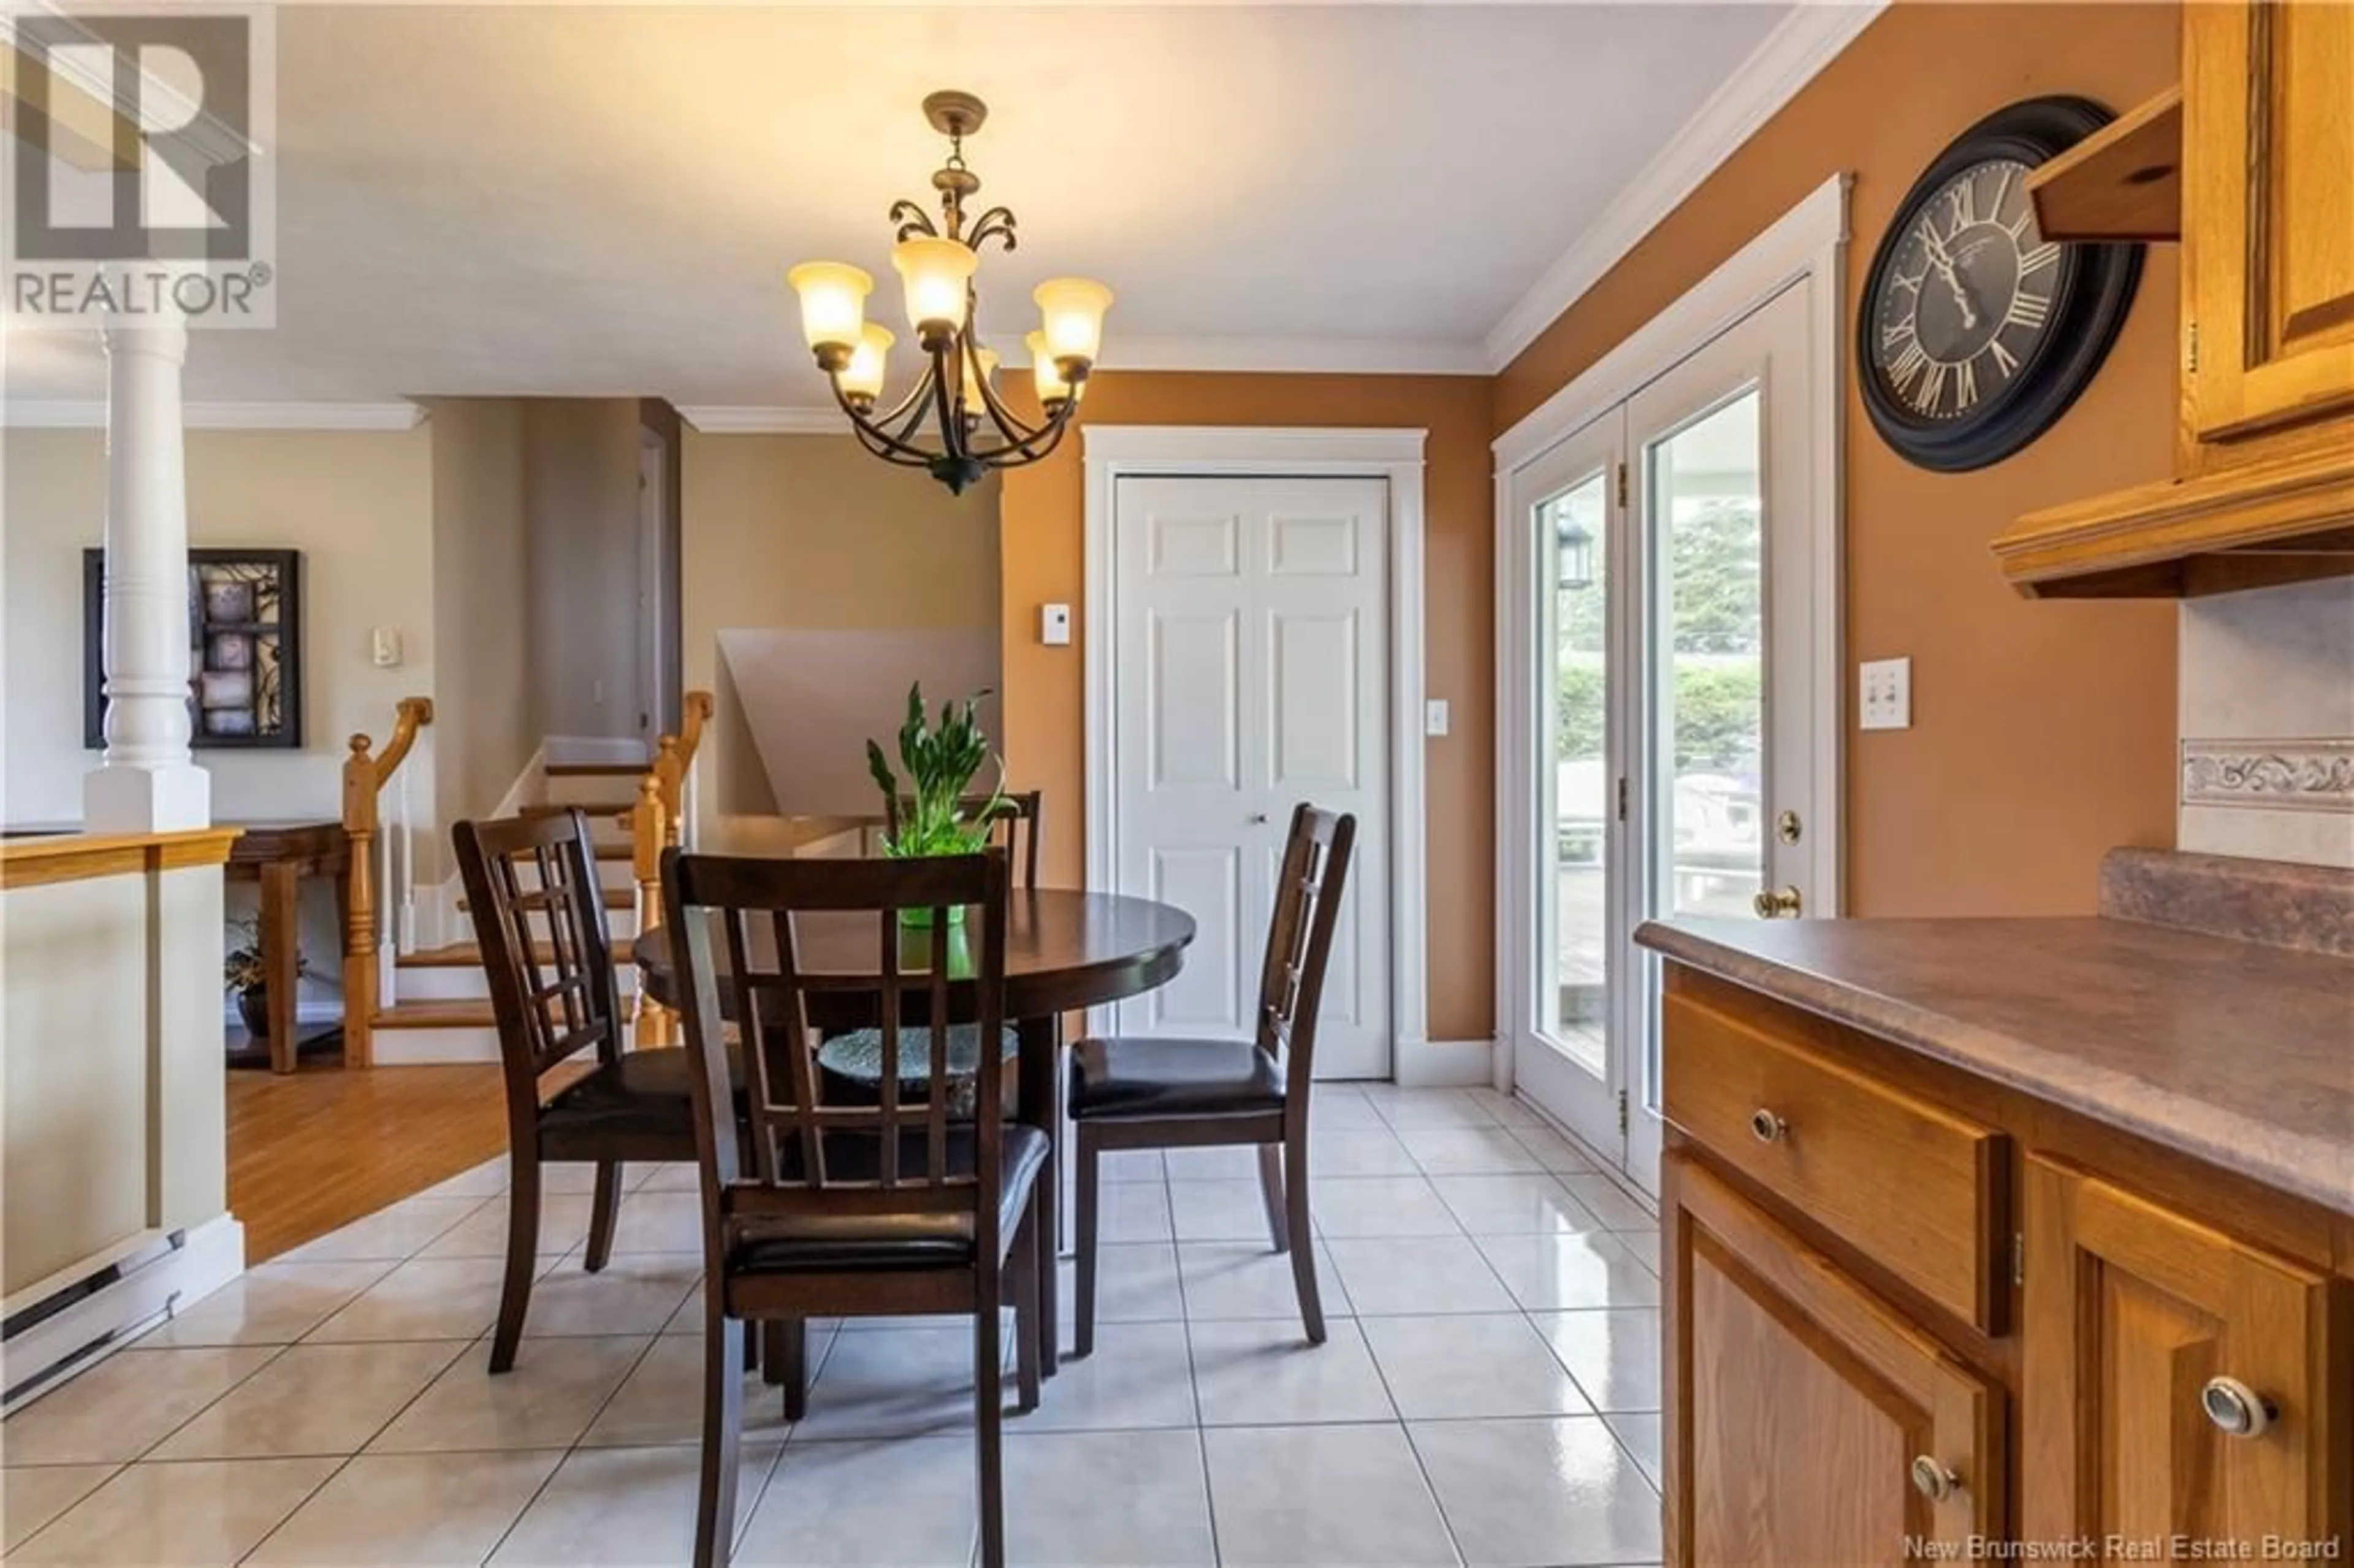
(1808, 1424)
(2176, 1381)
(2268, 166)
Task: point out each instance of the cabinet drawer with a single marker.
(1916, 1188)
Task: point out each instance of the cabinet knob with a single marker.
(1766, 1126)
(1934, 1480)
(2237, 1410)
(1775, 905)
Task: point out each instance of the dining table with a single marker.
(1065, 950)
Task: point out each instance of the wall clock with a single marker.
(1976, 331)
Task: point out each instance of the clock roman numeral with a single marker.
(2002, 189)
(1902, 331)
(1962, 205)
(2004, 360)
(1906, 368)
(1966, 385)
(2030, 311)
(1933, 387)
(2036, 258)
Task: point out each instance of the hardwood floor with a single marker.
(316, 1150)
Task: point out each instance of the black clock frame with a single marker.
(2090, 303)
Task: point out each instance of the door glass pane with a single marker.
(1574, 787)
(1709, 653)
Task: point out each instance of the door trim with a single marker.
(1194, 451)
(1804, 248)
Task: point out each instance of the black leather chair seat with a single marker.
(1172, 1077)
(644, 1094)
(823, 1244)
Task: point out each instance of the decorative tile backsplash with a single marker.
(2283, 775)
(2267, 724)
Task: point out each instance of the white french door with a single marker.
(1668, 641)
(1251, 619)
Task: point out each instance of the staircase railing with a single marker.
(661, 818)
(364, 777)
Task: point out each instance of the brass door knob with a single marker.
(1771, 905)
(2237, 1410)
(1767, 1127)
(1933, 1480)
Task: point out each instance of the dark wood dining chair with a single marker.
(558, 1006)
(1158, 1092)
(1016, 811)
(852, 1210)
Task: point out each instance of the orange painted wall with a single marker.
(2043, 733)
(1043, 521)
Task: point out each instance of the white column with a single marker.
(147, 781)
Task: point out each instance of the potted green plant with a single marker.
(928, 809)
(243, 976)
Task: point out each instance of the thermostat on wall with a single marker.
(1055, 625)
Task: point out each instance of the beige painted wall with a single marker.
(581, 484)
(482, 729)
(810, 532)
(358, 506)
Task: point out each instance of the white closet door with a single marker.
(1252, 655)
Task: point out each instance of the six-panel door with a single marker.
(1251, 673)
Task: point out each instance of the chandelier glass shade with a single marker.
(951, 422)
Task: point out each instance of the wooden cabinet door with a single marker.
(2132, 1312)
(1801, 1406)
(2268, 186)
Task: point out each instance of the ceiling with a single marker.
(602, 200)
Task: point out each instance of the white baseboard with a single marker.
(1443, 1063)
(111, 1301)
(578, 748)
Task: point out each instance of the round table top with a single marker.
(1064, 949)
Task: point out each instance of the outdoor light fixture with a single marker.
(1576, 546)
(951, 422)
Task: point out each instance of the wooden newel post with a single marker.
(359, 910)
(650, 830)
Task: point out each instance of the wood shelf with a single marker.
(2122, 182)
(2252, 526)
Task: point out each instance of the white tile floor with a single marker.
(1488, 1395)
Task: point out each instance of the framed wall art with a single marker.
(245, 648)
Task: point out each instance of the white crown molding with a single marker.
(91, 415)
(1801, 45)
(759, 419)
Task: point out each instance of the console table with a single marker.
(278, 855)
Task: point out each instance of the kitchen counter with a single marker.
(2238, 1053)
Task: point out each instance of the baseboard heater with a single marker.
(60, 1325)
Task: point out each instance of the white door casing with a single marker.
(1798, 262)
(1250, 620)
(1391, 940)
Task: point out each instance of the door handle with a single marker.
(1771, 905)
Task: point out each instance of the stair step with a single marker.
(437, 1015)
(469, 956)
(615, 898)
(592, 769)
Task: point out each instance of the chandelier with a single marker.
(951, 422)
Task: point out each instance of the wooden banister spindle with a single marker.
(649, 833)
(364, 779)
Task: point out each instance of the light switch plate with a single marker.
(384, 647)
(1887, 693)
(1055, 625)
(1434, 716)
